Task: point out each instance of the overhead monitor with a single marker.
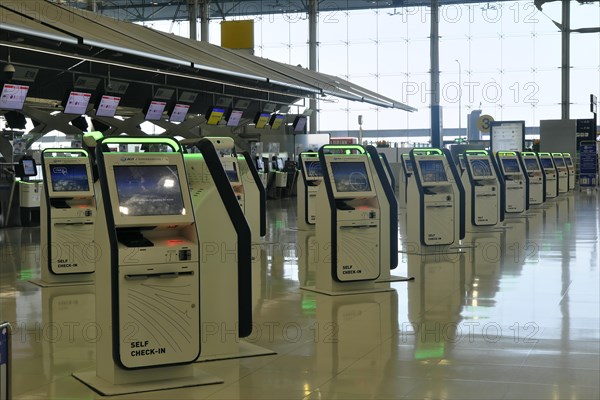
(276, 121)
(230, 167)
(559, 161)
(107, 106)
(531, 164)
(432, 171)
(510, 165)
(481, 167)
(69, 177)
(547, 162)
(77, 103)
(299, 123)
(214, 115)
(179, 112)
(312, 169)
(145, 190)
(261, 119)
(154, 110)
(350, 177)
(234, 118)
(13, 96)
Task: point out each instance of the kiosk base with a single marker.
(44, 284)
(346, 292)
(105, 388)
(434, 250)
(245, 350)
(394, 278)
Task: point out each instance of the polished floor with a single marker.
(516, 316)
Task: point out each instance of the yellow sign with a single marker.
(484, 123)
(237, 34)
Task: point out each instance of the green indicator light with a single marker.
(430, 351)
(26, 274)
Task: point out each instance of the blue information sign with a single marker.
(588, 164)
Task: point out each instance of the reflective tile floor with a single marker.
(516, 316)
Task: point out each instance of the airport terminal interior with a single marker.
(257, 200)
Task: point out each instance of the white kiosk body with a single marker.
(254, 196)
(562, 172)
(67, 218)
(308, 185)
(537, 179)
(436, 203)
(551, 174)
(147, 281)
(225, 254)
(515, 182)
(570, 170)
(348, 225)
(483, 191)
(406, 172)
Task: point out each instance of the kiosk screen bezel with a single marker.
(513, 168)
(56, 162)
(179, 112)
(17, 100)
(558, 161)
(309, 169)
(112, 160)
(77, 103)
(28, 167)
(107, 106)
(432, 170)
(568, 161)
(528, 163)
(547, 159)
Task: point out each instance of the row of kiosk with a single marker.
(166, 235)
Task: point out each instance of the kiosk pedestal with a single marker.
(147, 285)
(67, 217)
(308, 185)
(551, 175)
(570, 170)
(562, 172)
(515, 184)
(536, 178)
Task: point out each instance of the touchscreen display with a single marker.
(13, 97)
(546, 163)
(148, 190)
(313, 169)
(108, 106)
(29, 168)
(69, 178)
(350, 177)
(511, 166)
(179, 112)
(433, 171)
(77, 103)
(531, 164)
(481, 167)
(568, 161)
(155, 110)
(560, 163)
(234, 118)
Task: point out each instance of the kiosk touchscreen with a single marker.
(536, 177)
(515, 182)
(311, 176)
(547, 164)
(349, 226)
(483, 188)
(406, 172)
(562, 172)
(435, 201)
(67, 218)
(570, 170)
(147, 281)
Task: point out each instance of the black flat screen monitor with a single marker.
(77, 103)
(350, 177)
(13, 97)
(511, 166)
(148, 190)
(107, 106)
(155, 110)
(276, 121)
(235, 116)
(69, 178)
(481, 167)
(432, 171)
(559, 162)
(179, 112)
(214, 115)
(299, 123)
(28, 167)
(531, 164)
(261, 120)
(312, 168)
(546, 163)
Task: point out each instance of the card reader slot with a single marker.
(161, 275)
(440, 206)
(356, 226)
(74, 223)
(133, 239)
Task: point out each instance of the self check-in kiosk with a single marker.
(406, 172)
(388, 170)
(436, 203)
(570, 169)
(549, 169)
(67, 219)
(515, 183)
(484, 191)
(225, 253)
(147, 280)
(562, 172)
(349, 222)
(311, 177)
(536, 177)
